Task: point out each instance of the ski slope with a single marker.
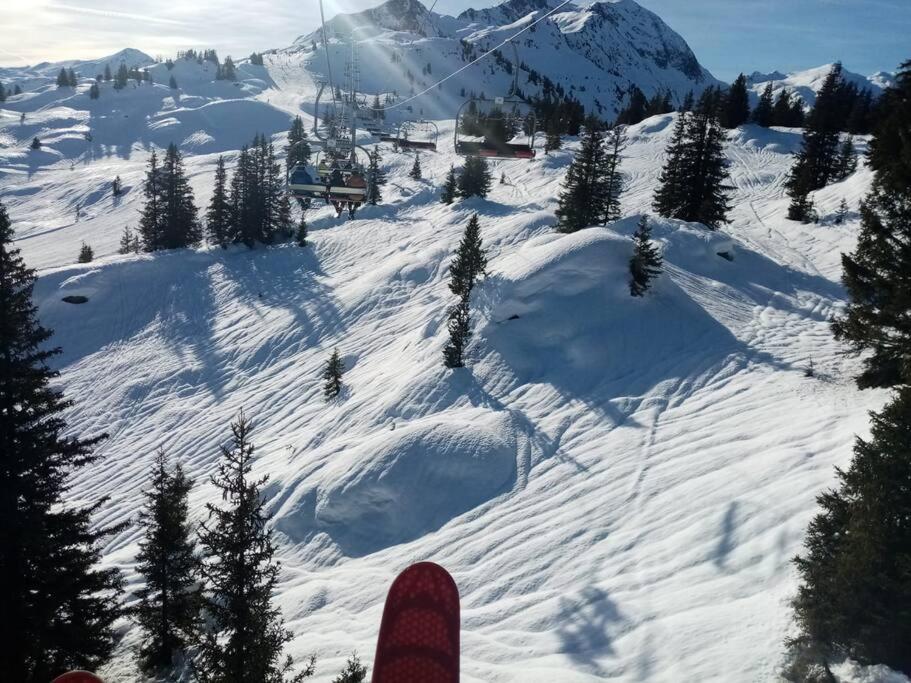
(617, 485)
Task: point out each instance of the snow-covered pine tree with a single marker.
(300, 235)
(846, 163)
(615, 143)
(170, 599)
(415, 171)
(878, 316)
(86, 254)
(645, 265)
(58, 606)
(583, 197)
(298, 149)
(458, 324)
(245, 633)
(332, 376)
(376, 178)
(218, 215)
(816, 164)
(354, 671)
(855, 589)
(470, 260)
(736, 104)
(763, 114)
(842, 213)
(474, 180)
(450, 187)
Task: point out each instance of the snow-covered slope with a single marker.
(595, 53)
(805, 84)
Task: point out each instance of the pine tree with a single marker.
(172, 83)
(613, 181)
(332, 376)
(36, 143)
(71, 78)
(300, 236)
(169, 602)
(257, 189)
(58, 607)
(781, 110)
(470, 261)
(63, 80)
(552, 140)
(94, 91)
(689, 101)
(583, 199)
(226, 72)
(736, 106)
(842, 213)
(245, 634)
(846, 163)
(168, 219)
(122, 77)
(415, 171)
(855, 594)
(298, 149)
(107, 72)
(763, 114)
(116, 186)
(474, 180)
(218, 215)
(645, 265)
(354, 672)
(635, 110)
(376, 178)
(85, 254)
(877, 274)
(2, 93)
(129, 242)
(458, 324)
(450, 187)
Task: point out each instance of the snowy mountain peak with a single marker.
(806, 83)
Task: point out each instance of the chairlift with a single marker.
(338, 180)
(418, 134)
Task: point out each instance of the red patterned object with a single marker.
(77, 677)
(419, 635)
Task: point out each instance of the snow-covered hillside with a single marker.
(617, 485)
(595, 53)
(805, 84)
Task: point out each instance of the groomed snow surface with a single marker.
(617, 485)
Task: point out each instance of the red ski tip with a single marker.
(419, 634)
(77, 677)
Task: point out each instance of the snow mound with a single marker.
(398, 485)
(852, 672)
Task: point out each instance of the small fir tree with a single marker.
(172, 82)
(736, 106)
(846, 163)
(63, 80)
(450, 187)
(298, 149)
(218, 215)
(354, 671)
(583, 199)
(458, 324)
(332, 376)
(842, 213)
(170, 600)
(470, 261)
(552, 140)
(85, 254)
(376, 178)
(300, 235)
(645, 265)
(122, 77)
(129, 242)
(763, 114)
(245, 633)
(36, 143)
(107, 72)
(415, 171)
(168, 219)
(613, 182)
(474, 180)
(94, 91)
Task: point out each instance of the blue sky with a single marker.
(728, 36)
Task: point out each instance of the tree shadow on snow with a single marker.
(586, 625)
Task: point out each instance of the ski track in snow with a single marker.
(617, 485)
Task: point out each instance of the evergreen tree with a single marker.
(300, 236)
(172, 83)
(332, 376)
(284, 223)
(168, 219)
(458, 324)
(218, 215)
(107, 72)
(474, 180)
(354, 672)
(635, 110)
(450, 187)
(552, 140)
(645, 265)
(877, 275)
(58, 607)
(298, 149)
(842, 212)
(583, 199)
(129, 242)
(688, 102)
(763, 115)
(2, 93)
(116, 186)
(376, 178)
(470, 261)
(122, 77)
(256, 59)
(71, 78)
(855, 594)
(613, 181)
(63, 79)
(415, 171)
(258, 212)
(846, 163)
(736, 107)
(94, 91)
(782, 110)
(169, 602)
(226, 72)
(36, 143)
(86, 254)
(245, 635)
